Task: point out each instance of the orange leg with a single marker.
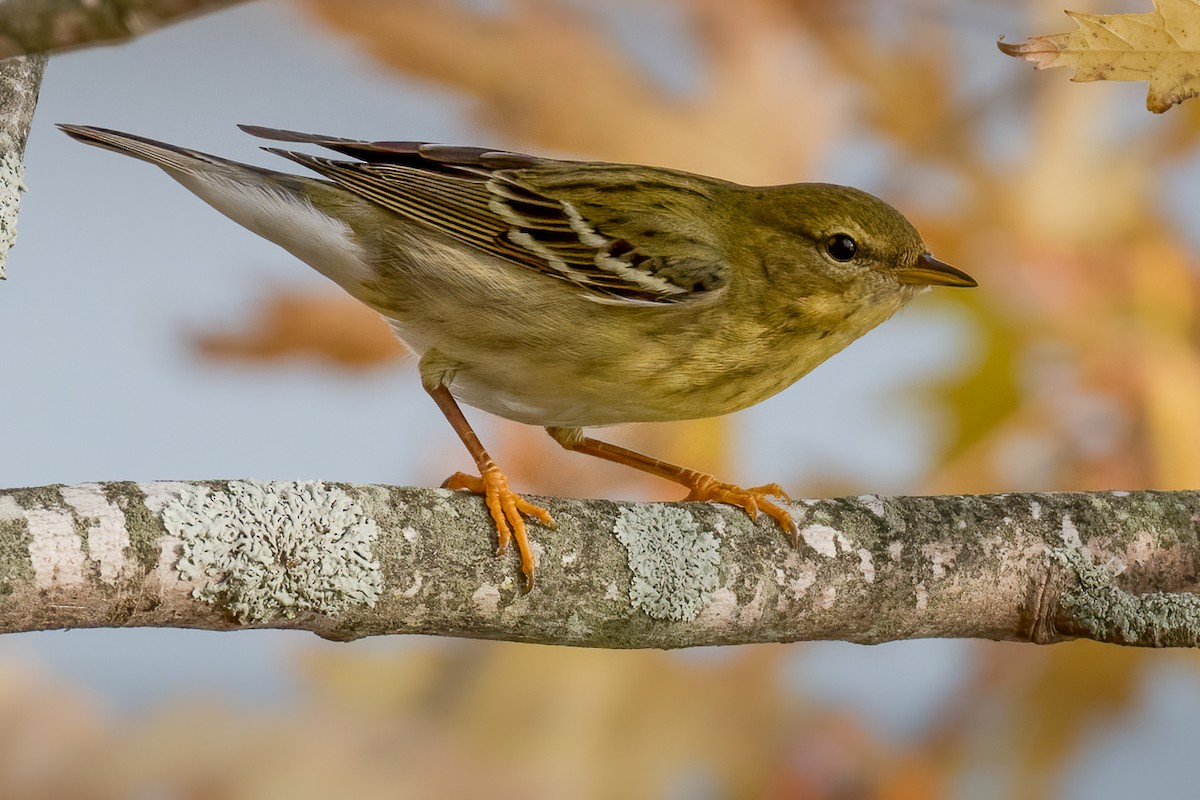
(701, 486)
(505, 505)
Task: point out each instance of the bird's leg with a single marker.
(505, 505)
(701, 486)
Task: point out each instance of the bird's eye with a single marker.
(841, 247)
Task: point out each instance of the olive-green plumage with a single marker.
(571, 294)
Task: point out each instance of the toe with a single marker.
(750, 504)
(461, 480)
(496, 508)
(526, 552)
(537, 512)
(753, 501)
(785, 520)
(514, 507)
(773, 489)
(508, 511)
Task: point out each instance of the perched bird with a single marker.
(571, 294)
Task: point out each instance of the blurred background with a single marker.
(145, 337)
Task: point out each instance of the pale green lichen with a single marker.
(12, 183)
(1108, 612)
(265, 550)
(16, 567)
(673, 560)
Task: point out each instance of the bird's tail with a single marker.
(306, 216)
(167, 156)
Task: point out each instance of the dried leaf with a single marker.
(1162, 47)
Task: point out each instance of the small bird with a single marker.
(573, 294)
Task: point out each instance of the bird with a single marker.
(575, 294)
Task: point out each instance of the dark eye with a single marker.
(841, 247)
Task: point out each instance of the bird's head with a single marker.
(839, 252)
(850, 236)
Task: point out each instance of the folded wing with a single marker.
(623, 234)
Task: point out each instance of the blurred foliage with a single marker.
(468, 720)
(289, 322)
(1085, 377)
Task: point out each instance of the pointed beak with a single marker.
(928, 271)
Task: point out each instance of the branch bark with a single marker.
(20, 82)
(352, 561)
(45, 26)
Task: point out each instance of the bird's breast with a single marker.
(656, 380)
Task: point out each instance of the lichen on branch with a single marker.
(20, 82)
(349, 561)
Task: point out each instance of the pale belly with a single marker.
(559, 384)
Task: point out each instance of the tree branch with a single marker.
(351, 561)
(44, 26)
(20, 82)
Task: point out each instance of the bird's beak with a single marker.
(928, 271)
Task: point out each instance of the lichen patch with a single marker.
(418, 582)
(160, 494)
(486, 599)
(866, 565)
(874, 504)
(823, 539)
(800, 584)
(55, 548)
(922, 597)
(941, 556)
(752, 612)
(721, 611)
(274, 549)
(12, 183)
(577, 627)
(1070, 534)
(10, 509)
(1141, 550)
(107, 533)
(1110, 613)
(673, 560)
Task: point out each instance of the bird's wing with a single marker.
(623, 234)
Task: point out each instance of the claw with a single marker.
(753, 500)
(508, 511)
(772, 489)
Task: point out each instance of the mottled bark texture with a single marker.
(351, 561)
(44, 26)
(20, 81)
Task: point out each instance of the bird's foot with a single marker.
(753, 500)
(507, 509)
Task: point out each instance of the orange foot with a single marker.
(708, 489)
(506, 508)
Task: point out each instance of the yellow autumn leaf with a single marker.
(1162, 47)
